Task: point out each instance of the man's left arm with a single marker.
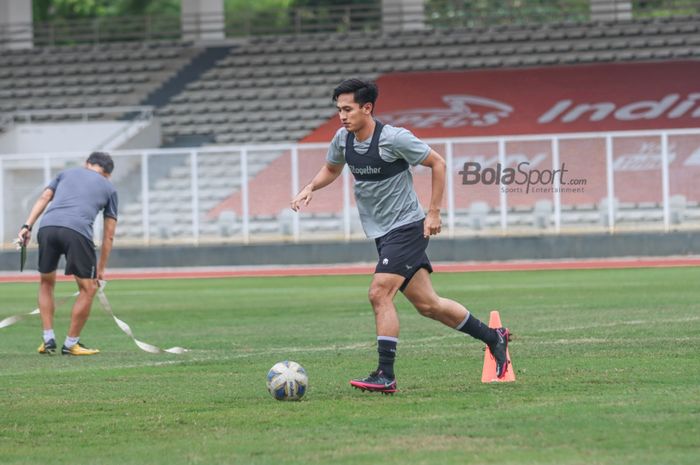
(433, 222)
(110, 226)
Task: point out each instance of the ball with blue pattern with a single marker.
(287, 380)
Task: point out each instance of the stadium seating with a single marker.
(248, 96)
(277, 89)
(87, 76)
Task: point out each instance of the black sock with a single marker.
(478, 330)
(387, 354)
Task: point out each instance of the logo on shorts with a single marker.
(408, 267)
(385, 261)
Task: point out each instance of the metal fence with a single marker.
(521, 185)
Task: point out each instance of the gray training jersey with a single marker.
(78, 196)
(387, 204)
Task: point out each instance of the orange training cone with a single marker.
(488, 374)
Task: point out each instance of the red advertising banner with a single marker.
(582, 98)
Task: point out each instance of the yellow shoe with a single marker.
(48, 348)
(78, 349)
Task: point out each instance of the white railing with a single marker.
(535, 184)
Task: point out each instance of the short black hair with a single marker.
(363, 91)
(103, 160)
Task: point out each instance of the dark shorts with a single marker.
(55, 241)
(402, 251)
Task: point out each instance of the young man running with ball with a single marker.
(379, 156)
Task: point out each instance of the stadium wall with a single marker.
(80, 137)
(479, 249)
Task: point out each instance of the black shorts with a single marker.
(55, 241)
(402, 251)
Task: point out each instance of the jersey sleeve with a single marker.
(53, 185)
(336, 151)
(110, 210)
(409, 147)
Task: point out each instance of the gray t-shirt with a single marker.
(388, 204)
(78, 196)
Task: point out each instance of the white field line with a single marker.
(209, 356)
(196, 355)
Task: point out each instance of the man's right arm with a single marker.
(25, 233)
(326, 175)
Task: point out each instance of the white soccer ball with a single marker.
(287, 381)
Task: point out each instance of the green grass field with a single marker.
(607, 364)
